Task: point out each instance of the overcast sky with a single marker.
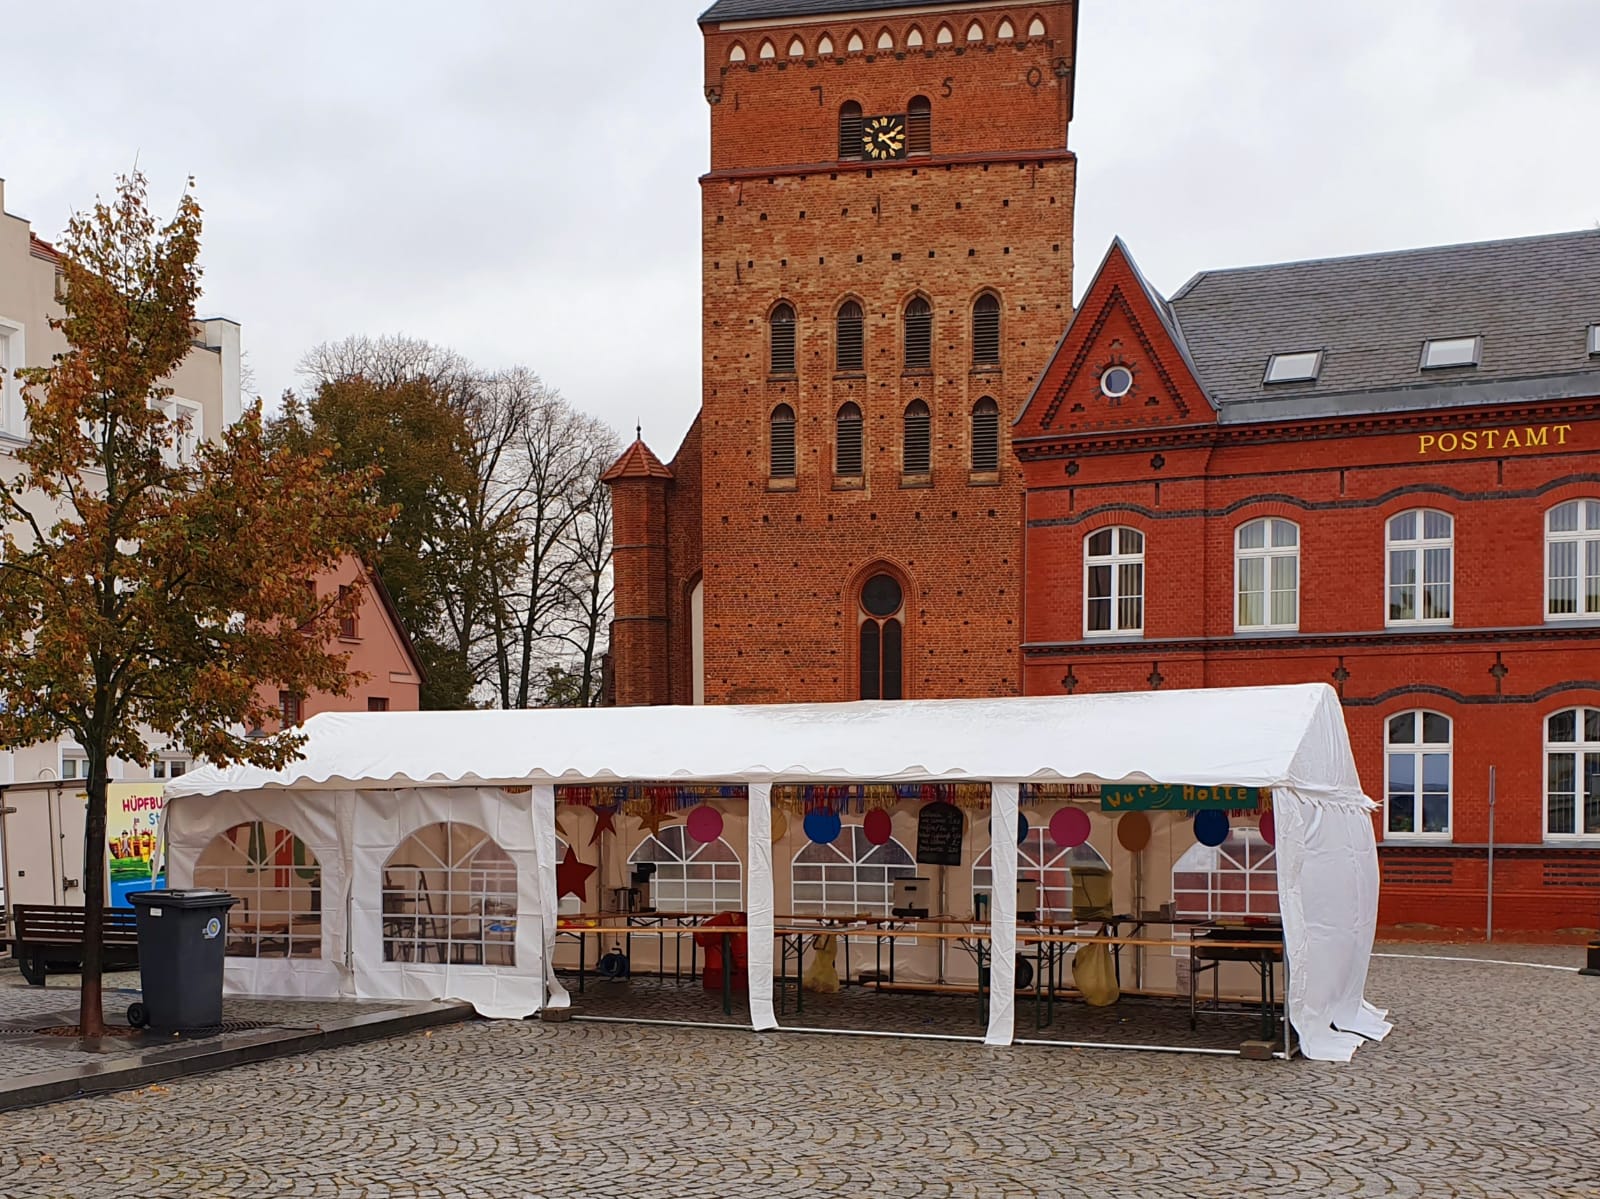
(517, 178)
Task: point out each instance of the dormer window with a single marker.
(1301, 367)
(1594, 339)
(1451, 351)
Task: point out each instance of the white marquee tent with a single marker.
(367, 780)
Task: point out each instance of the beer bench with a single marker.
(49, 937)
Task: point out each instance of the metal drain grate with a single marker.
(125, 1033)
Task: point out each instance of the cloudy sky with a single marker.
(516, 178)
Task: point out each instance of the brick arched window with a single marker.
(919, 126)
(881, 634)
(917, 452)
(849, 352)
(919, 334)
(986, 330)
(1572, 774)
(1421, 567)
(850, 128)
(847, 450)
(1113, 582)
(1572, 556)
(985, 437)
(781, 328)
(781, 443)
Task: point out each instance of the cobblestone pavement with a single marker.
(1490, 1086)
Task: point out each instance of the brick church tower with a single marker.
(887, 241)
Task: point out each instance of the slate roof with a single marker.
(1531, 299)
(755, 10)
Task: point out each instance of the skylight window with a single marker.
(1594, 339)
(1303, 367)
(1451, 351)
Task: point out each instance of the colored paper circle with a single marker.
(877, 826)
(1269, 828)
(823, 826)
(1211, 827)
(1069, 828)
(1022, 828)
(780, 825)
(1133, 831)
(704, 824)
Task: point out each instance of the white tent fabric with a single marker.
(1291, 740)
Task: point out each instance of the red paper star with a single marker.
(602, 824)
(572, 877)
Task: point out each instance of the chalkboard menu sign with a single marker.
(939, 829)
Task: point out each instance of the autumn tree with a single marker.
(151, 587)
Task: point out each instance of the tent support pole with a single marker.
(1488, 917)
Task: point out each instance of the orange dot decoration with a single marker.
(780, 825)
(1133, 831)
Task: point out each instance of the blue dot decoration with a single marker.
(1022, 827)
(1211, 828)
(823, 826)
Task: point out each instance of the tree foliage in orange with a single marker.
(148, 585)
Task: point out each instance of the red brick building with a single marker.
(887, 233)
(1380, 472)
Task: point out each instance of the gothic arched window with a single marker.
(881, 615)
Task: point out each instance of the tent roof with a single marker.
(1251, 736)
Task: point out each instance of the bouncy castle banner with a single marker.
(133, 810)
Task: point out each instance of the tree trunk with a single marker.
(91, 1019)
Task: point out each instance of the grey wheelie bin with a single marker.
(183, 936)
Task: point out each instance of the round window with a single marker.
(881, 596)
(1116, 382)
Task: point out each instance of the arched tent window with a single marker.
(691, 876)
(986, 330)
(917, 453)
(919, 126)
(781, 438)
(847, 450)
(1235, 879)
(919, 334)
(850, 130)
(1421, 567)
(985, 437)
(781, 338)
(278, 882)
(1267, 574)
(1039, 858)
(450, 896)
(850, 876)
(1572, 557)
(849, 342)
(736, 54)
(881, 637)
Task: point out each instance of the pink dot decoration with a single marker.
(704, 824)
(1069, 828)
(877, 826)
(1269, 828)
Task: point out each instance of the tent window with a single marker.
(1045, 863)
(881, 637)
(279, 886)
(691, 876)
(1237, 878)
(851, 875)
(450, 896)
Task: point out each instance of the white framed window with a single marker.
(849, 877)
(1572, 774)
(74, 765)
(1572, 560)
(13, 356)
(1235, 879)
(1266, 573)
(1047, 864)
(1113, 582)
(169, 768)
(1302, 367)
(1417, 775)
(691, 876)
(1451, 351)
(1421, 567)
(189, 418)
(1594, 339)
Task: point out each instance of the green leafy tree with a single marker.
(149, 586)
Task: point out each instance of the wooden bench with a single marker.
(48, 937)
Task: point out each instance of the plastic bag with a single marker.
(1095, 975)
(822, 975)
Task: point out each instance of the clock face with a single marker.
(884, 137)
